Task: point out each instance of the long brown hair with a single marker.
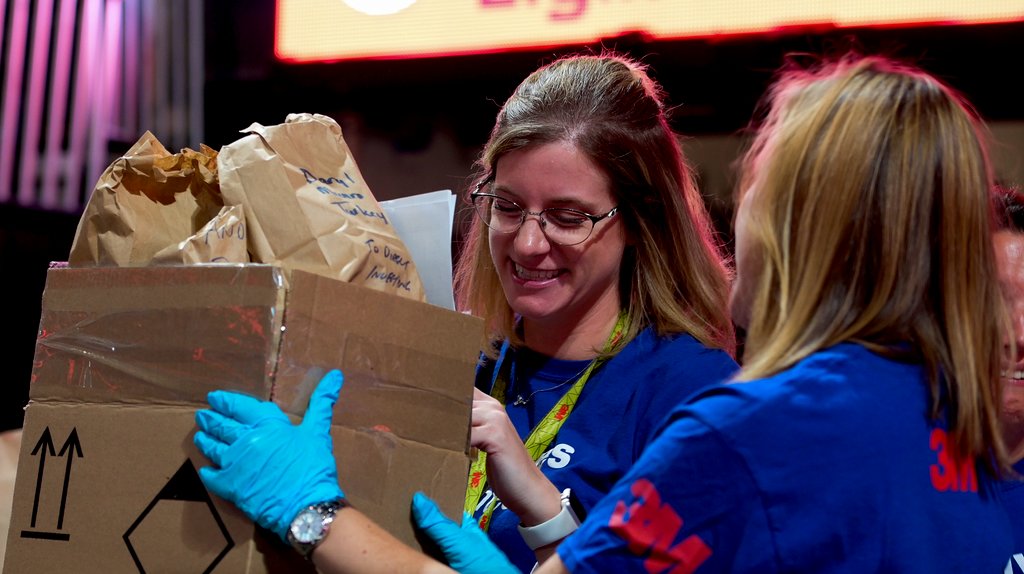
(871, 224)
(674, 275)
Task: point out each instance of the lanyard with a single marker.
(541, 435)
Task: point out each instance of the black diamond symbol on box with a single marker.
(181, 527)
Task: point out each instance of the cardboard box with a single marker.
(107, 476)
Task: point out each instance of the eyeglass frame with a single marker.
(594, 219)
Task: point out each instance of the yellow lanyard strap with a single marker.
(542, 434)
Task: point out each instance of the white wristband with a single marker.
(563, 524)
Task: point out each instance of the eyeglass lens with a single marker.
(560, 225)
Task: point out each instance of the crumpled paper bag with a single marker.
(152, 206)
(221, 240)
(307, 206)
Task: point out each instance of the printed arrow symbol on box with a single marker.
(45, 444)
(71, 443)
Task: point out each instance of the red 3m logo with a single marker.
(949, 473)
(649, 525)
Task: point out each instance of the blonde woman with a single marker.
(861, 434)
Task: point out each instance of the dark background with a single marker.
(713, 86)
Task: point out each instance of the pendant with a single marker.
(520, 401)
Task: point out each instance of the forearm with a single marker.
(544, 508)
(355, 544)
(538, 501)
(545, 552)
(540, 506)
(552, 565)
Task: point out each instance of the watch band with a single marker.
(311, 524)
(563, 524)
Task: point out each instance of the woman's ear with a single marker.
(629, 231)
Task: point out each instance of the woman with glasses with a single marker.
(593, 262)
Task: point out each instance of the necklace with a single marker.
(521, 401)
(543, 432)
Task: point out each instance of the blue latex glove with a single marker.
(268, 467)
(467, 548)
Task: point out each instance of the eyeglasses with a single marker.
(560, 225)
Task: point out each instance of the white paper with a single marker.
(424, 224)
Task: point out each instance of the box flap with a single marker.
(157, 334)
(410, 365)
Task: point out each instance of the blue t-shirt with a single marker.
(617, 414)
(833, 465)
(1013, 498)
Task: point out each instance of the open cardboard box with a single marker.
(107, 476)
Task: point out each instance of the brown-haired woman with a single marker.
(593, 262)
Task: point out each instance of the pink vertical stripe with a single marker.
(38, 64)
(12, 103)
(3, 21)
(132, 79)
(162, 121)
(197, 72)
(85, 82)
(106, 95)
(179, 75)
(58, 109)
(147, 105)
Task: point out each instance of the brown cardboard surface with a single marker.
(121, 467)
(164, 335)
(106, 479)
(10, 446)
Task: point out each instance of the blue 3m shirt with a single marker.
(830, 466)
(1013, 498)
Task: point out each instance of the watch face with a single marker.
(308, 526)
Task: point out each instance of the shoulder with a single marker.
(668, 369)
(676, 355)
(1013, 486)
(843, 379)
(654, 374)
(830, 368)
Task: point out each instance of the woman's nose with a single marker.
(1018, 334)
(530, 237)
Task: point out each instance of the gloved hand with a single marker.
(268, 467)
(467, 549)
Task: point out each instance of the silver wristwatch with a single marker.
(310, 525)
(563, 524)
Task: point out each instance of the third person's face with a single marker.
(1010, 258)
(544, 282)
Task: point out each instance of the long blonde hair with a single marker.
(870, 220)
(674, 275)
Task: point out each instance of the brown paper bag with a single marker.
(221, 240)
(307, 206)
(150, 201)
